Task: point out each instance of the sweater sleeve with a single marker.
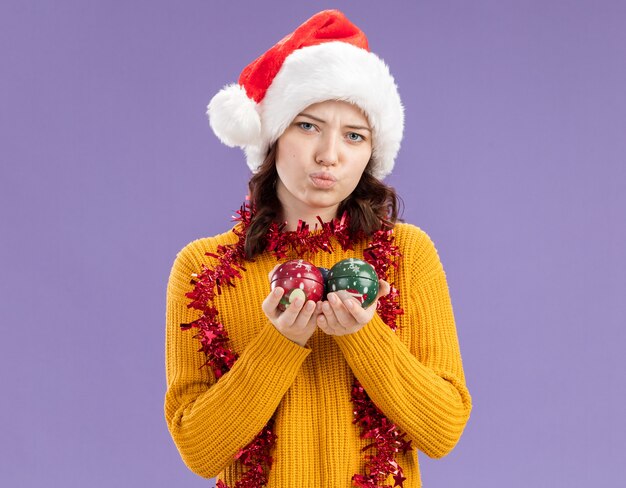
(210, 421)
(421, 388)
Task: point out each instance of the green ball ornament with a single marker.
(356, 277)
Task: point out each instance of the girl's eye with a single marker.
(354, 137)
(306, 125)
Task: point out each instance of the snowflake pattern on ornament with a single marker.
(303, 264)
(354, 266)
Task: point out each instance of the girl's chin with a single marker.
(322, 203)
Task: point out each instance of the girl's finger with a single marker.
(270, 304)
(343, 315)
(331, 318)
(322, 323)
(360, 314)
(384, 288)
(289, 316)
(302, 320)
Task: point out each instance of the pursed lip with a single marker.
(322, 175)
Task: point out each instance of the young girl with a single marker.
(327, 394)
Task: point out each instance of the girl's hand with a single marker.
(342, 314)
(298, 322)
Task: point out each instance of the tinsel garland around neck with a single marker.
(386, 439)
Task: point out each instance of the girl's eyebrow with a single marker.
(357, 127)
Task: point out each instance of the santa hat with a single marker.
(326, 58)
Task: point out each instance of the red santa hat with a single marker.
(326, 58)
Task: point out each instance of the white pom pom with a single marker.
(234, 118)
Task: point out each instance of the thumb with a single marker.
(384, 288)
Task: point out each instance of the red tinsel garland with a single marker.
(386, 439)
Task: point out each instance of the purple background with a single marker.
(513, 161)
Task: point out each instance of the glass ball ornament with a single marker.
(298, 278)
(356, 277)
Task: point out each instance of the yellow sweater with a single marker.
(415, 375)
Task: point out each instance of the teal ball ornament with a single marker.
(324, 272)
(356, 277)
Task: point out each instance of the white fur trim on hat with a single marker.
(335, 71)
(234, 117)
(329, 71)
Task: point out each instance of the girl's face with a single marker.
(321, 156)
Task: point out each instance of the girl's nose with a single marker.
(327, 151)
